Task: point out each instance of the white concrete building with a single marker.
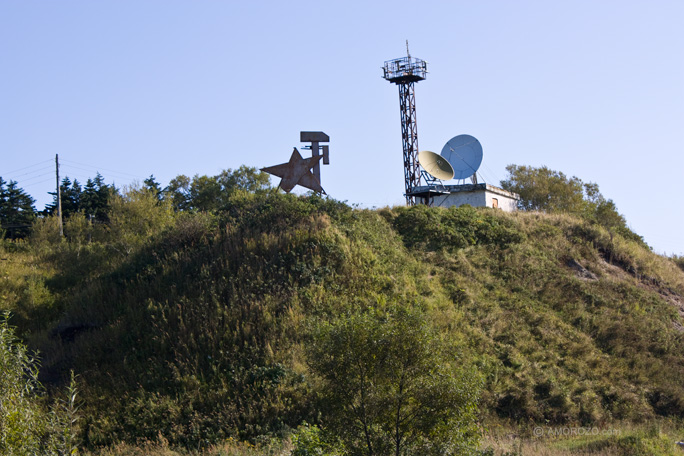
(477, 195)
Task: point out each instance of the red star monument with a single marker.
(297, 172)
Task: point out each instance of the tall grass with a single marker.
(191, 324)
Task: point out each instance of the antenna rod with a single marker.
(59, 198)
(407, 50)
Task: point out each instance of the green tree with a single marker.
(17, 212)
(178, 192)
(150, 184)
(213, 193)
(244, 178)
(392, 387)
(96, 198)
(71, 198)
(27, 427)
(136, 215)
(542, 189)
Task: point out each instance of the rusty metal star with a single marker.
(296, 172)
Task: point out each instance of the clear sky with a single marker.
(130, 88)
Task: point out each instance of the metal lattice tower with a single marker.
(404, 72)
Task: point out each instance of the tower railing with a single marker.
(405, 69)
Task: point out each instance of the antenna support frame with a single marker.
(405, 72)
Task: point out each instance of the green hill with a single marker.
(195, 325)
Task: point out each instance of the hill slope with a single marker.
(194, 325)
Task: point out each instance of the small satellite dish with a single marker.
(436, 165)
(464, 153)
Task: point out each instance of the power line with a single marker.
(69, 172)
(31, 172)
(99, 168)
(23, 182)
(36, 183)
(27, 167)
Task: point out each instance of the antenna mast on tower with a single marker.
(404, 72)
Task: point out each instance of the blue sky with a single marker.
(594, 89)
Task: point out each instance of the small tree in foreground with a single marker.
(22, 421)
(27, 427)
(391, 387)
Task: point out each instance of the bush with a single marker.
(454, 228)
(22, 421)
(392, 387)
(26, 426)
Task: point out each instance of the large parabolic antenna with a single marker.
(464, 153)
(436, 165)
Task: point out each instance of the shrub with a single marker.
(454, 228)
(26, 426)
(391, 386)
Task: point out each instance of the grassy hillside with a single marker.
(194, 326)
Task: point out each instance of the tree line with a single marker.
(540, 189)
(93, 200)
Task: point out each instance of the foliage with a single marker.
(153, 186)
(542, 189)
(187, 327)
(64, 422)
(27, 427)
(93, 200)
(453, 228)
(309, 440)
(136, 215)
(17, 212)
(391, 388)
(22, 420)
(96, 198)
(212, 193)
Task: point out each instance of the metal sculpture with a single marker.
(303, 171)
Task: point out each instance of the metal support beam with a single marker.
(409, 138)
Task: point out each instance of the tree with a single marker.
(244, 178)
(26, 426)
(392, 387)
(71, 198)
(135, 216)
(213, 193)
(95, 200)
(150, 184)
(542, 189)
(178, 192)
(17, 212)
(21, 418)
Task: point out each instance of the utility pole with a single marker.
(59, 197)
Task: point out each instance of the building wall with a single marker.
(475, 199)
(504, 202)
(478, 195)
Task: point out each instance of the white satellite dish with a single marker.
(435, 165)
(464, 153)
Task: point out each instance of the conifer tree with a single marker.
(153, 186)
(17, 212)
(95, 199)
